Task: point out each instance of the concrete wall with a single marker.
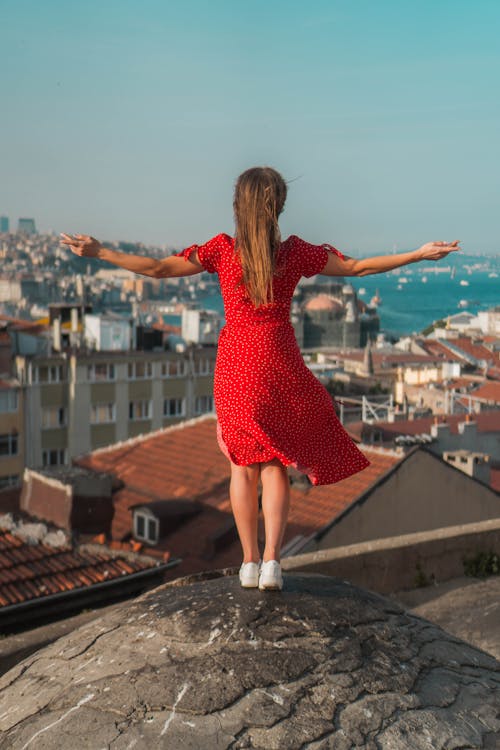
(396, 564)
(423, 494)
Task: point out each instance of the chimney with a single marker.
(468, 430)
(440, 430)
(56, 334)
(72, 498)
(74, 320)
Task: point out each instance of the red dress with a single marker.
(268, 403)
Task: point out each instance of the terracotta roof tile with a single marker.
(29, 571)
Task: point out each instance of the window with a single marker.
(53, 416)
(140, 525)
(102, 413)
(138, 370)
(173, 368)
(8, 401)
(204, 366)
(54, 457)
(8, 445)
(49, 374)
(99, 372)
(139, 410)
(9, 481)
(146, 528)
(174, 407)
(203, 404)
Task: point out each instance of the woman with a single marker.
(271, 411)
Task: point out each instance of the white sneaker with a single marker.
(270, 576)
(249, 575)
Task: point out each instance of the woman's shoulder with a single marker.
(223, 239)
(294, 240)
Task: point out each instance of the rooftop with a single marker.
(489, 391)
(33, 571)
(184, 461)
(486, 421)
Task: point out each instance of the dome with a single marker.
(203, 664)
(324, 302)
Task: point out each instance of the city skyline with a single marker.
(131, 122)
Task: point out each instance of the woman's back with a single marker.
(294, 258)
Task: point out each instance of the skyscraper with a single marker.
(4, 223)
(27, 226)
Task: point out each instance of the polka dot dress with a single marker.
(268, 403)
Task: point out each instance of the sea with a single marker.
(411, 300)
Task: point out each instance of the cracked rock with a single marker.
(204, 664)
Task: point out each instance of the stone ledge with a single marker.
(390, 564)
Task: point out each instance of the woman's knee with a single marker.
(273, 467)
(248, 473)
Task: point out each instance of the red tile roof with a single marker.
(493, 373)
(388, 359)
(489, 391)
(487, 421)
(464, 382)
(33, 571)
(184, 461)
(437, 349)
(477, 350)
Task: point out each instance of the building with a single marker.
(109, 332)
(422, 492)
(397, 493)
(472, 463)
(78, 401)
(172, 495)
(334, 316)
(451, 434)
(25, 286)
(27, 226)
(201, 326)
(4, 223)
(12, 435)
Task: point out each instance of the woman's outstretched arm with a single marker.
(89, 247)
(336, 266)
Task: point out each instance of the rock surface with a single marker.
(204, 664)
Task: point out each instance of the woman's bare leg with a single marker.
(275, 506)
(245, 505)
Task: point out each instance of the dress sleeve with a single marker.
(313, 258)
(208, 254)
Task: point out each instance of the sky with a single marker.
(131, 120)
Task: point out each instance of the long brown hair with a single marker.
(259, 198)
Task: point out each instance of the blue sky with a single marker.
(132, 120)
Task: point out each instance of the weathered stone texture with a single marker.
(207, 665)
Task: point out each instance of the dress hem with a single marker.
(287, 462)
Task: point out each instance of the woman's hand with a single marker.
(436, 250)
(82, 244)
